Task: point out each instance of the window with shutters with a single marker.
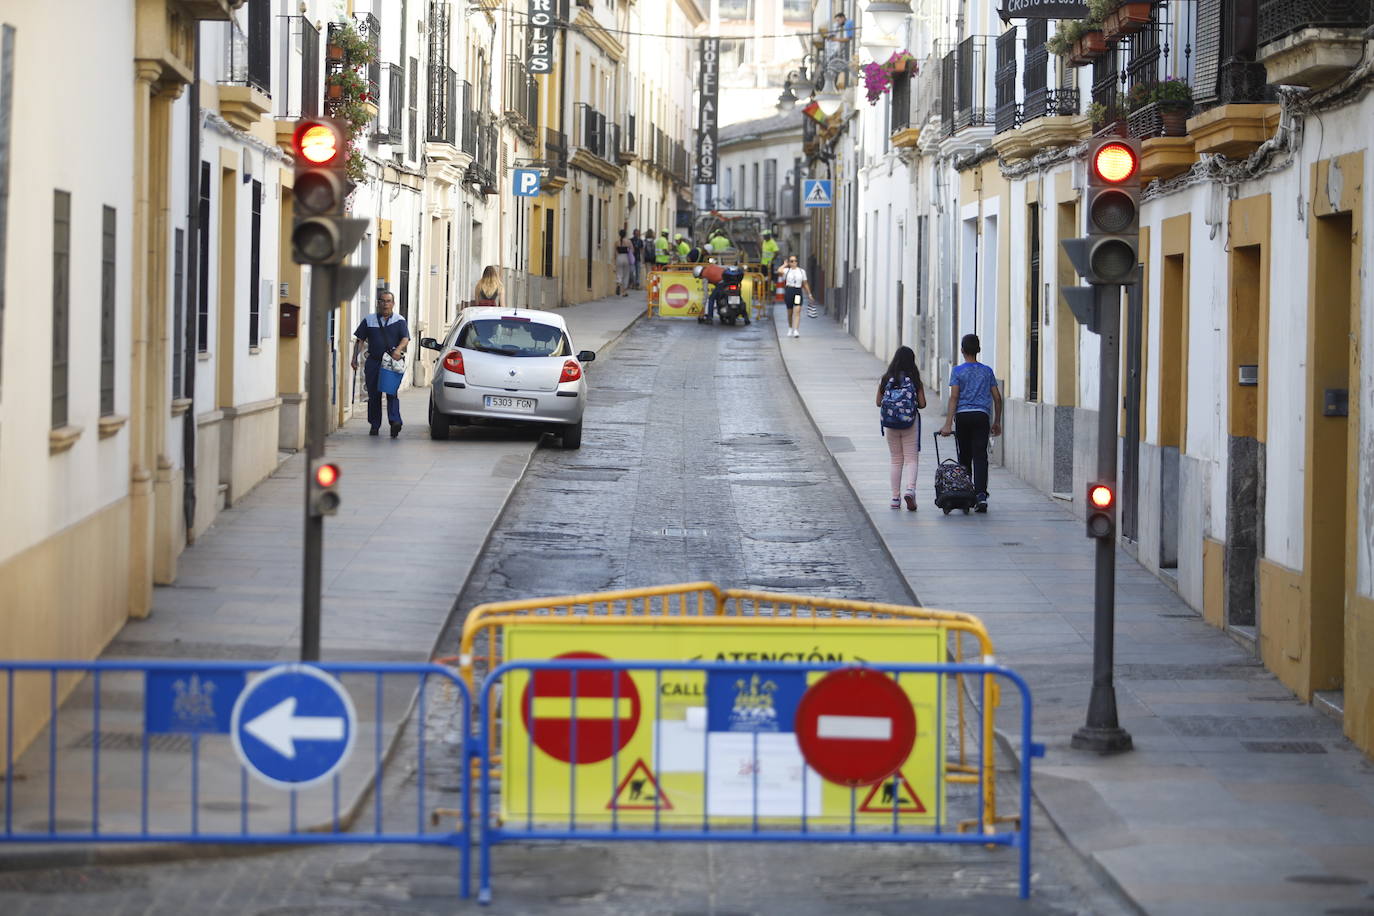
(255, 269)
(203, 260)
(413, 109)
(107, 311)
(1207, 51)
(61, 301)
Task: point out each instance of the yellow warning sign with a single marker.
(639, 791)
(893, 794)
(601, 745)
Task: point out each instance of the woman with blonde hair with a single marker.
(489, 292)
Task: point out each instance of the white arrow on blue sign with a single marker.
(294, 726)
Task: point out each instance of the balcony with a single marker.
(482, 171)
(371, 31)
(522, 100)
(246, 85)
(1312, 43)
(594, 143)
(905, 129)
(625, 152)
(967, 106)
(680, 164)
(555, 159)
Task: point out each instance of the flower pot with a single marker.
(334, 91)
(334, 52)
(1126, 19)
(900, 66)
(1174, 119)
(1088, 48)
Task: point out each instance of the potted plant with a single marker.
(1080, 41)
(1122, 17)
(347, 93)
(878, 77)
(1101, 115)
(1160, 109)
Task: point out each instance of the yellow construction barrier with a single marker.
(689, 604)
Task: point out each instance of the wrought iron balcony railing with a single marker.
(590, 130)
(371, 31)
(467, 139)
(1008, 111)
(298, 80)
(1281, 18)
(248, 57)
(556, 152)
(443, 105)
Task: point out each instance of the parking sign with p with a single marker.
(526, 182)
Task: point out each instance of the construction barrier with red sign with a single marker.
(672, 292)
(488, 629)
(772, 749)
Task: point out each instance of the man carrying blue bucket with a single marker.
(387, 337)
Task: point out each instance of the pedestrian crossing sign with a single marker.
(816, 192)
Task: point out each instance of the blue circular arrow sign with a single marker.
(293, 726)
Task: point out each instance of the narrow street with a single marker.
(698, 462)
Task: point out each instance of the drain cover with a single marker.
(133, 741)
(1284, 747)
(684, 532)
(788, 537)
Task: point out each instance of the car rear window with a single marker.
(513, 337)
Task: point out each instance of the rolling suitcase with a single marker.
(953, 485)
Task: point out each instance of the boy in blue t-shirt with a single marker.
(973, 393)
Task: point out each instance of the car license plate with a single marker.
(735, 300)
(524, 405)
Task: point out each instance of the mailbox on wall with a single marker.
(289, 321)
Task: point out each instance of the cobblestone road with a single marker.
(698, 462)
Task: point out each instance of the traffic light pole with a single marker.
(1103, 733)
(322, 299)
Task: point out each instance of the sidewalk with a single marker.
(1237, 798)
(414, 516)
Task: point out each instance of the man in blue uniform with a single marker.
(384, 333)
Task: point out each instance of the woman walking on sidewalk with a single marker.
(973, 392)
(900, 396)
(490, 291)
(624, 252)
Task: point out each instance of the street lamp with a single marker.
(829, 100)
(880, 47)
(787, 100)
(889, 14)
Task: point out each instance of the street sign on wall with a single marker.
(539, 47)
(1042, 9)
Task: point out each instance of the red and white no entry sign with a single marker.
(677, 296)
(606, 707)
(855, 726)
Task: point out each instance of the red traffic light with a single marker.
(326, 475)
(1101, 496)
(317, 143)
(1115, 162)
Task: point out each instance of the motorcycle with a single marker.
(729, 296)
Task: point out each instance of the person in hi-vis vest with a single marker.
(661, 255)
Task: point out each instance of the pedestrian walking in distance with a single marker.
(624, 264)
(385, 334)
(973, 395)
(794, 283)
(490, 291)
(636, 257)
(901, 397)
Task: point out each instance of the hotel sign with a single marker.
(539, 52)
(708, 114)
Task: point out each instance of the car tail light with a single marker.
(453, 362)
(571, 371)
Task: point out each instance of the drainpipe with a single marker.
(193, 267)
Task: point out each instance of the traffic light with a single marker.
(1101, 510)
(322, 234)
(323, 497)
(1114, 210)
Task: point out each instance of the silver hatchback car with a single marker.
(509, 367)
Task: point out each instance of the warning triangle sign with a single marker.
(640, 791)
(883, 795)
(818, 195)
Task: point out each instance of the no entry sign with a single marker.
(605, 704)
(855, 726)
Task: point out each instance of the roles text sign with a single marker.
(539, 51)
(1042, 9)
(708, 115)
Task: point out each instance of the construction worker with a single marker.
(683, 248)
(719, 243)
(661, 256)
(770, 251)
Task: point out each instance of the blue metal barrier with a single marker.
(136, 721)
(590, 823)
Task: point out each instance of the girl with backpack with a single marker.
(900, 395)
